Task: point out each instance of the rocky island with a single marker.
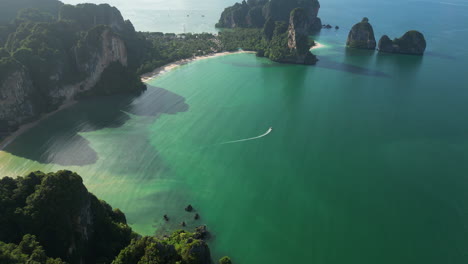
(362, 36)
(412, 42)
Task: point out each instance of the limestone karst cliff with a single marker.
(298, 41)
(18, 102)
(51, 63)
(362, 36)
(412, 42)
(254, 13)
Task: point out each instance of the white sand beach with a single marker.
(166, 68)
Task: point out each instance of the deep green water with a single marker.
(367, 162)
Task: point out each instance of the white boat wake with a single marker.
(248, 139)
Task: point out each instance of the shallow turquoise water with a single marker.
(366, 162)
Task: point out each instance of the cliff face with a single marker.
(362, 36)
(90, 15)
(298, 40)
(236, 16)
(108, 49)
(412, 42)
(299, 27)
(255, 13)
(17, 98)
(59, 61)
(280, 10)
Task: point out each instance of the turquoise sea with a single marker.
(367, 161)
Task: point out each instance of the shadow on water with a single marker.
(57, 139)
(349, 68)
(439, 55)
(324, 62)
(294, 90)
(405, 65)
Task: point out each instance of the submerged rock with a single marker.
(225, 260)
(362, 36)
(202, 233)
(189, 208)
(412, 42)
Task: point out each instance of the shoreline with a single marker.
(25, 127)
(171, 66)
(144, 78)
(317, 46)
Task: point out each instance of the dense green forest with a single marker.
(52, 218)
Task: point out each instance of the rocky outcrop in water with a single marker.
(254, 13)
(412, 42)
(298, 41)
(362, 36)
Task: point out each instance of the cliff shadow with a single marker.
(327, 63)
(359, 56)
(439, 55)
(57, 140)
(324, 62)
(405, 65)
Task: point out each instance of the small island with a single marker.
(412, 42)
(362, 36)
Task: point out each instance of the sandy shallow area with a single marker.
(166, 68)
(318, 46)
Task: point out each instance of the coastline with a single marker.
(168, 67)
(25, 127)
(144, 78)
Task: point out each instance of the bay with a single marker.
(366, 162)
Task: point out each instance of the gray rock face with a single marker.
(254, 13)
(362, 36)
(21, 102)
(412, 42)
(298, 42)
(17, 99)
(111, 49)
